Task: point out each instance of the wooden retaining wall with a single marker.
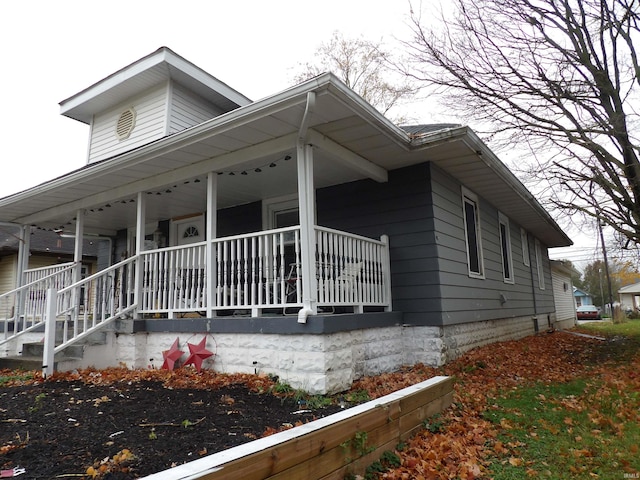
(328, 448)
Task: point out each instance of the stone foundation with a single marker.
(318, 363)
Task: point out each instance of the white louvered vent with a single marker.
(125, 124)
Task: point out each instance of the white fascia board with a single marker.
(213, 164)
(162, 55)
(228, 121)
(222, 123)
(364, 110)
(112, 80)
(491, 160)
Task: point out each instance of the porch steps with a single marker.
(32, 353)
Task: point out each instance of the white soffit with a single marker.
(143, 75)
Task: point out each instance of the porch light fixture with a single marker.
(255, 170)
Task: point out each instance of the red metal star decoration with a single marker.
(171, 356)
(197, 353)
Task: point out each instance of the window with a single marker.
(472, 234)
(190, 232)
(505, 248)
(281, 212)
(524, 239)
(539, 264)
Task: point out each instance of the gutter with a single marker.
(502, 171)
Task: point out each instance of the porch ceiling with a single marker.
(242, 145)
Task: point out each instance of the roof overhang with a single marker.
(149, 71)
(351, 139)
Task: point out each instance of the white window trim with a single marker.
(539, 265)
(271, 206)
(504, 220)
(470, 197)
(524, 239)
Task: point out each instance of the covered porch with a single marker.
(257, 251)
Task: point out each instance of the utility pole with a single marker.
(606, 269)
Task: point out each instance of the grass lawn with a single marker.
(588, 427)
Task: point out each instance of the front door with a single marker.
(188, 230)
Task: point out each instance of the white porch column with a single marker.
(77, 268)
(306, 198)
(24, 247)
(24, 251)
(77, 253)
(212, 229)
(140, 232)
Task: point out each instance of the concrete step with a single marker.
(32, 352)
(21, 362)
(36, 349)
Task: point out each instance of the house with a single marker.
(563, 293)
(629, 297)
(49, 251)
(302, 235)
(582, 297)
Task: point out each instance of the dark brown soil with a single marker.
(130, 429)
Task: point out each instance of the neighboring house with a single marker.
(302, 235)
(563, 293)
(582, 297)
(48, 249)
(629, 297)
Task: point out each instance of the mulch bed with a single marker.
(122, 424)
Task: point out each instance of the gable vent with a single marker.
(125, 124)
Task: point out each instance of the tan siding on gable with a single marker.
(563, 296)
(8, 267)
(150, 125)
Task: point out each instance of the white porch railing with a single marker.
(93, 302)
(251, 273)
(23, 309)
(261, 271)
(352, 270)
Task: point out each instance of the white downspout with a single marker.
(306, 199)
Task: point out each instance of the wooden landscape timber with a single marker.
(329, 448)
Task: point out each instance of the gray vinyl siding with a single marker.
(420, 209)
(188, 109)
(401, 209)
(240, 219)
(463, 298)
(150, 125)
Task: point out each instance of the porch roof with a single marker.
(250, 148)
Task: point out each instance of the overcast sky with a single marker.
(54, 49)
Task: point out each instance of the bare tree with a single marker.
(561, 77)
(364, 66)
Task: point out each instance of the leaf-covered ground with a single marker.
(484, 436)
(575, 395)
